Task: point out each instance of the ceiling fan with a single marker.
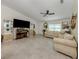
(47, 13)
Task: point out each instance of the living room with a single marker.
(39, 29)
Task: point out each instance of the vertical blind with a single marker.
(54, 27)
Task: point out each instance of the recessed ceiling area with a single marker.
(33, 8)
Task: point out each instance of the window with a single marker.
(54, 27)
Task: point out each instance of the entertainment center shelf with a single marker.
(21, 33)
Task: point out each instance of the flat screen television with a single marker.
(21, 23)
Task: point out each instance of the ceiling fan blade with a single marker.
(44, 15)
(51, 13)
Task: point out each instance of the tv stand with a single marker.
(20, 33)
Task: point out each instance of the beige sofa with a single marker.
(68, 47)
(63, 43)
(7, 37)
(51, 34)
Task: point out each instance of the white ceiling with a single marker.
(32, 8)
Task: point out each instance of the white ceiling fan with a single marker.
(47, 13)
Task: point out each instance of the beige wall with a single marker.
(75, 7)
(59, 21)
(75, 31)
(75, 11)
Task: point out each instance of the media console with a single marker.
(21, 33)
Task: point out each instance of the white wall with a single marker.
(9, 14)
(40, 27)
(40, 24)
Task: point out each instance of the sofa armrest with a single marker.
(67, 42)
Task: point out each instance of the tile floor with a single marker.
(37, 47)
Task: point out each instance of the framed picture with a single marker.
(73, 22)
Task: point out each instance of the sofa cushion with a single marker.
(71, 43)
(66, 50)
(51, 34)
(68, 36)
